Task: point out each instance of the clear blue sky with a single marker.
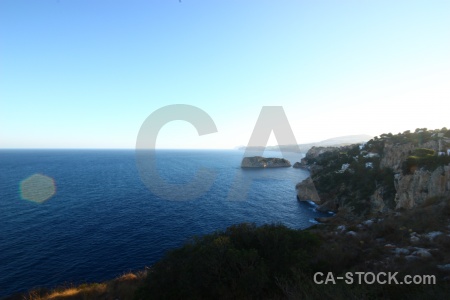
(86, 74)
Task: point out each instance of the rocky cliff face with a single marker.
(414, 189)
(394, 154)
(262, 162)
(297, 165)
(315, 152)
(313, 155)
(306, 190)
(377, 201)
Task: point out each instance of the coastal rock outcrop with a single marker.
(306, 190)
(297, 165)
(315, 152)
(313, 156)
(263, 162)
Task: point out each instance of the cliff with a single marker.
(394, 154)
(262, 162)
(306, 190)
(315, 155)
(387, 173)
(415, 189)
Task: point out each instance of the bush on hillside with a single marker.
(244, 262)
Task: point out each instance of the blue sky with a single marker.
(86, 74)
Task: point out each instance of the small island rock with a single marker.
(263, 162)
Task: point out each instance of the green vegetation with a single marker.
(244, 262)
(354, 186)
(423, 152)
(275, 262)
(424, 158)
(418, 137)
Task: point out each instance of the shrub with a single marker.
(241, 262)
(423, 152)
(423, 159)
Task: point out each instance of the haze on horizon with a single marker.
(86, 74)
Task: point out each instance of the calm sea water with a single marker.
(102, 220)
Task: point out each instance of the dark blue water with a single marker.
(102, 220)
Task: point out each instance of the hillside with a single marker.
(386, 173)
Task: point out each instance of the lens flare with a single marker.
(37, 188)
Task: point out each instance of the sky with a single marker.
(87, 74)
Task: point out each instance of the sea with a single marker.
(80, 216)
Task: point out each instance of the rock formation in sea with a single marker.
(263, 162)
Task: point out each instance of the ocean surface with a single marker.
(75, 216)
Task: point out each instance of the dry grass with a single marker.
(123, 287)
(90, 291)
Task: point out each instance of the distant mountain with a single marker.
(347, 139)
(337, 142)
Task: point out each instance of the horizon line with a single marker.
(59, 148)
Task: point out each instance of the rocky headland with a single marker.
(263, 162)
(387, 173)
